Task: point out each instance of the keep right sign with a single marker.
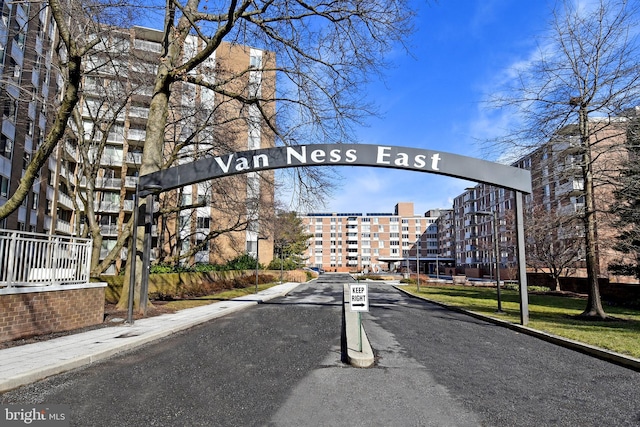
(358, 297)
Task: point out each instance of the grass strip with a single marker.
(220, 296)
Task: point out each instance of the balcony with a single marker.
(572, 188)
(106, 206)
(114, 160)
(63, 226)
(70, 149)
(130, 181)
(134, 158)
(128, 205)
(111, 183)
(65, 200)
(109, 230)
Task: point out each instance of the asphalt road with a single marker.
(278, 364)
(504, 377)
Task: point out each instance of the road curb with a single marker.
(600, 353)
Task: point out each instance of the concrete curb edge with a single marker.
(600, 353)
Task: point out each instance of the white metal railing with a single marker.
(34, 259)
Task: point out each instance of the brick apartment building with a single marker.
(558, 189)
(117, 89)
(345, 242)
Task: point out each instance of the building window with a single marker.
(204, 222)
(204, 243)
(19, 38)
(185, 199)
(6, 146)
(255, 61)
(4, 187)
(26, 159)
(10, 108)
(14, 70)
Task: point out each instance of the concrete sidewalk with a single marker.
(32, 362)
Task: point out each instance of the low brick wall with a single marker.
(26, 314)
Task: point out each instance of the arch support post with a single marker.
(522, 264)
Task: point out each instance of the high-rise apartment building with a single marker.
(558, 186)
(28, 88)
(95, 170)
(204, 222)
(473, 229)
(558, 190)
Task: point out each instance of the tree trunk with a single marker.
(152, 159)
(594, 303)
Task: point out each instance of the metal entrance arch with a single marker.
(385, 156)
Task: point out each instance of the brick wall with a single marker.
(27, 314)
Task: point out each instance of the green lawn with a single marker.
(222, 296)
(548, 313)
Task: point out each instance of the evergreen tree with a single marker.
(627, 206)
(290, 241)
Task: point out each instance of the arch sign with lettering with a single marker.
(385, 156)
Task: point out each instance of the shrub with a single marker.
(243, 262)
(161, 269)
(367, 277)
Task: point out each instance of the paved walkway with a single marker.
(32, 362)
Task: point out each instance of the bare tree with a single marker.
(320, 53)
(98, 120)
(554, 242)
(586, 69)
(79, 27)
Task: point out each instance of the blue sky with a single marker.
(433, 98)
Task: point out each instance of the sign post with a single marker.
(359, 302)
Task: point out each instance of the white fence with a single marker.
(33, 259)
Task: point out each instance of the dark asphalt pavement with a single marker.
(507, 378)
(278, 364)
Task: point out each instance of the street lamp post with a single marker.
(281, 263)
(258, 238)
(496, 250)
(418, 262)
